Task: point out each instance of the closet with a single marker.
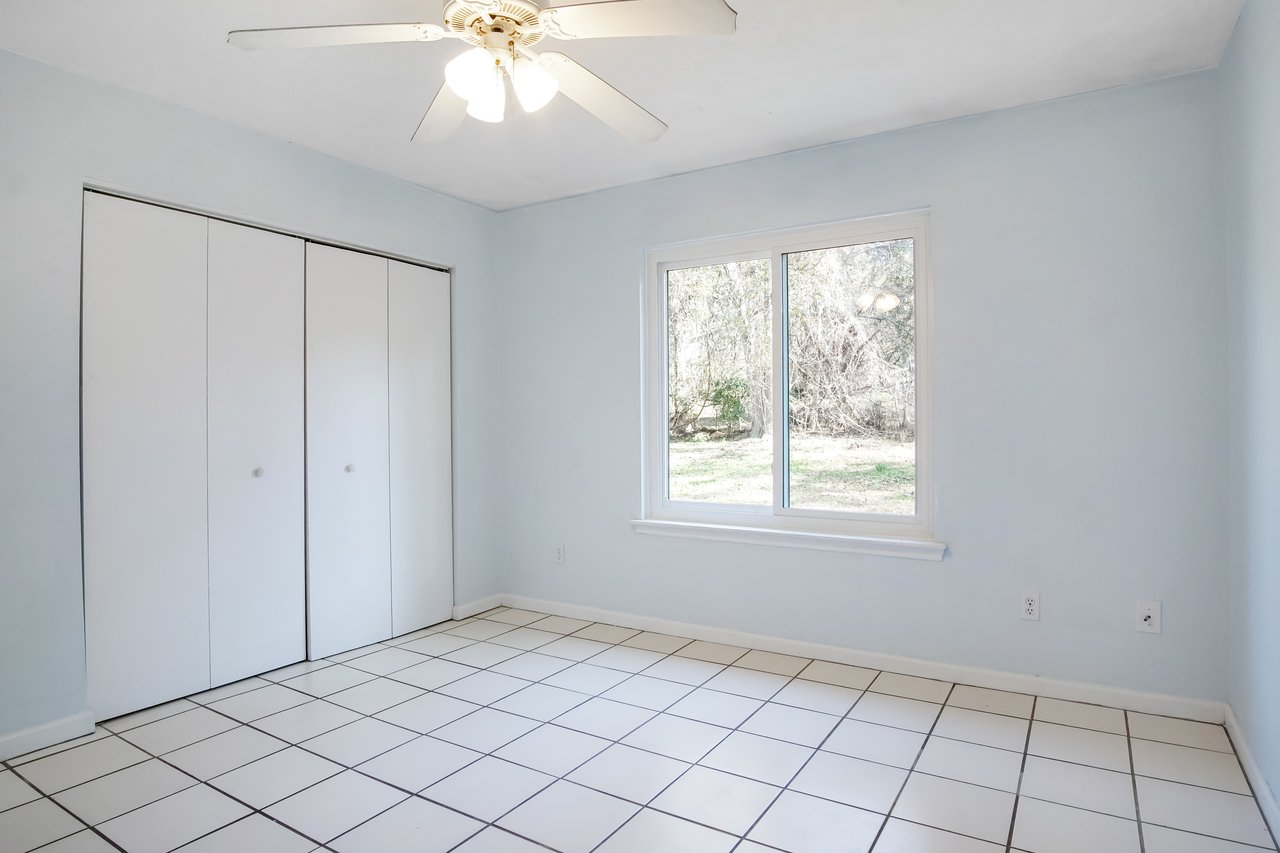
(266, 451)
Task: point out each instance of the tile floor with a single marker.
(516, 731)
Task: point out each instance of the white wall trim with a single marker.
(1262, 791)
(480, 605)
(881, 546)
(1077, 691)
(23, 741)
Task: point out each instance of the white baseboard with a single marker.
(471, 608)
(1262, 791)
(21, 742)
(1078, 691)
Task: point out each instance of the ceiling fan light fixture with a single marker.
(469, 73)
(488, 101)
(534, 86)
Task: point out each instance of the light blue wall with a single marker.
(56, 132)
(1251, 87)
(1080, 351)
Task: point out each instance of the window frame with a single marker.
(824, 529)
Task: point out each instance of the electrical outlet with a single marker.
(1149, 617)
(1030, 606)
(558, 555)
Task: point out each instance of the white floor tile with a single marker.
(294, 669)
(543, 818)
(326, 810)
(882, 744)
(484, 688)
(14, 791)
(851, 781)
(225, 752)
(482, 655)
(485, 730)
(777, 664)
(26, 827)
(123, 791)
(676, 737)
(804, 824)
(489, 788)
(1082, 746)
(712, 706)
(1159, 839)
(82, 763)
(541, 702)
(653, 642)
(173, 821)
(839, 674)
(899, 836)
(1078, 714)
(97, 734)
(525, 639)
(306, 721)
(972, 763)
(711, 652)
(421, 762)
(716, 799)
(413, 826)
(352, 654)
(652, 693)
(387, 661)
(956, 806)
(552, 749)
(275, 777)
(760, 758)
(651, 831)
(252, 834)
(256, 704)
(494, 840)
(1042, 827)
(911, 687)
(433, 673)
(1187, 764)
(797, 725)
(179, 730)
(1077, 785)
(532, 666)
(1217, 813)
(602, 633)
(85, 841)
(572, 648)
(437, 644)
(586, 678)
(1181, 732)
(632, 774)
(979, 727)
(747, 682)
(427, 712)
(514, 616)
(148, 715)
(359, 741)
(991, 701)
(626, 659)
(815, 696)
(374, 696)
(481, 629)
(331, 679)
(895, 711)
(684, 670)
(605, 718)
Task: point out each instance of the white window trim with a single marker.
(898, 536)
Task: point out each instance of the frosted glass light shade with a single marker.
(488, 101)
(470, 72)
(534, 86)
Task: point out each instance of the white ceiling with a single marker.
(797, 73)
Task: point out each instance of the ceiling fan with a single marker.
(501, 33)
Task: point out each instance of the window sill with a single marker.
(879, 546)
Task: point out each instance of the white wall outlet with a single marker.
(1149, 617)
(558, 555)
(1029, 606)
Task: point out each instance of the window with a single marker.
(786, 397)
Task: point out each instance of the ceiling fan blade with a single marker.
(336, 35)
(443, 117)
(622, 18)
(602, 100)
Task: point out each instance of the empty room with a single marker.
(640, 426)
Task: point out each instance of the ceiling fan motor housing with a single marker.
(476, 20)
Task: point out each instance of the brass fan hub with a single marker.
(478, 20)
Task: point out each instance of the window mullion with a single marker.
(779, 315)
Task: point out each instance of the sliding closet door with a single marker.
(348, 514)
(143, 427)
(257, 580)
(421, 485)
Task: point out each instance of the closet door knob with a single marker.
(258, 472)
(349, 468)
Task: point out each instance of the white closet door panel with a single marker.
(257, 580)
(348, 515)
(144, 467)
(421, 459)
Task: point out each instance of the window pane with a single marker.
(719, 419)
(851, 361)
